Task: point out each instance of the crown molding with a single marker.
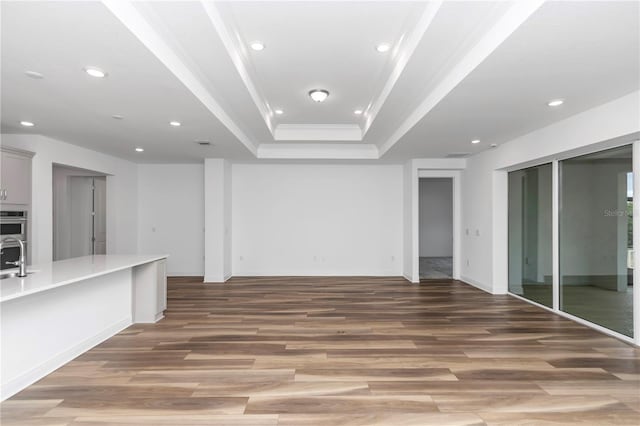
(490, 41)
(318, 132)
(307, 151)
(404, 54)
(237, 53)
(133, 20)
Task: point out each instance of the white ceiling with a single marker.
(457, 71)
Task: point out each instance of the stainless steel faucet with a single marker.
(20, 263)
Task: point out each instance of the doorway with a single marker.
(79, 213)
(436, 228)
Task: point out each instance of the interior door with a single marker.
(100, 215)
(80, 211)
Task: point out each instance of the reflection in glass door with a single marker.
(596, 244)
(530, 234)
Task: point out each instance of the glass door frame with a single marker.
(556, 207)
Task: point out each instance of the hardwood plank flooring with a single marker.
(341, 351)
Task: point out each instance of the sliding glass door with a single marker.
(596, 238)
(588, 226)
(530, 234)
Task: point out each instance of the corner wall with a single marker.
(122, 202)
(485, 186)
(171, 215)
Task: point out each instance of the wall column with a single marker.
(217, 220)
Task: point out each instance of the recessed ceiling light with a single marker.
(475, 141)
(555, 102)
(175, 123)
(357, 112)
(319, 95)
(279, 111)
(95, 72)
(203, 143)
(257, 46)
(139, 149)
(117, 117)
(27, 124)
(34, 74)
(493, 145)
(383, 47)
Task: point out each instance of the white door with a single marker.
(81, 217)
(100, 215)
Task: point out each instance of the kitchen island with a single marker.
(64, 308)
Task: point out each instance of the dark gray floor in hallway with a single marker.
(436, 267)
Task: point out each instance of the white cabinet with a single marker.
(149, 292)
(15, 176)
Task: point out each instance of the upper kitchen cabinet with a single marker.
(15, 176)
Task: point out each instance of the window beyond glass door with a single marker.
(596, 238)
(530, 234)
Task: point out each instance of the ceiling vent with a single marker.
(458, 154)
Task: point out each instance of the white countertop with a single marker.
(48, 276)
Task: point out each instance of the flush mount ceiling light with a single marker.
(383, 47)
(357, 112)
(257, 46)
(175, 123)
(139, 149)
(279, 112)
(117, 117)
(34, 74)
(95, 72)
(555, 102)
(319, 95)
(475, 141)
(27, 124)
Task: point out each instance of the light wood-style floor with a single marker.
(342, 351)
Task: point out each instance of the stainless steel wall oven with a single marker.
(12, 224)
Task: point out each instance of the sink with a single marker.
(13, 274)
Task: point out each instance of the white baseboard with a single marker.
(17, 384)
(410, 279)
(184, 274)
(385, 273)
(476, 284)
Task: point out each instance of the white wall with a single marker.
(410, 197)
(436, 217)
(485, 183)
(317, 219)
(217, 220)
(122, 192)
(171, 215)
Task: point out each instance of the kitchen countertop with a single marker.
(52, 275)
